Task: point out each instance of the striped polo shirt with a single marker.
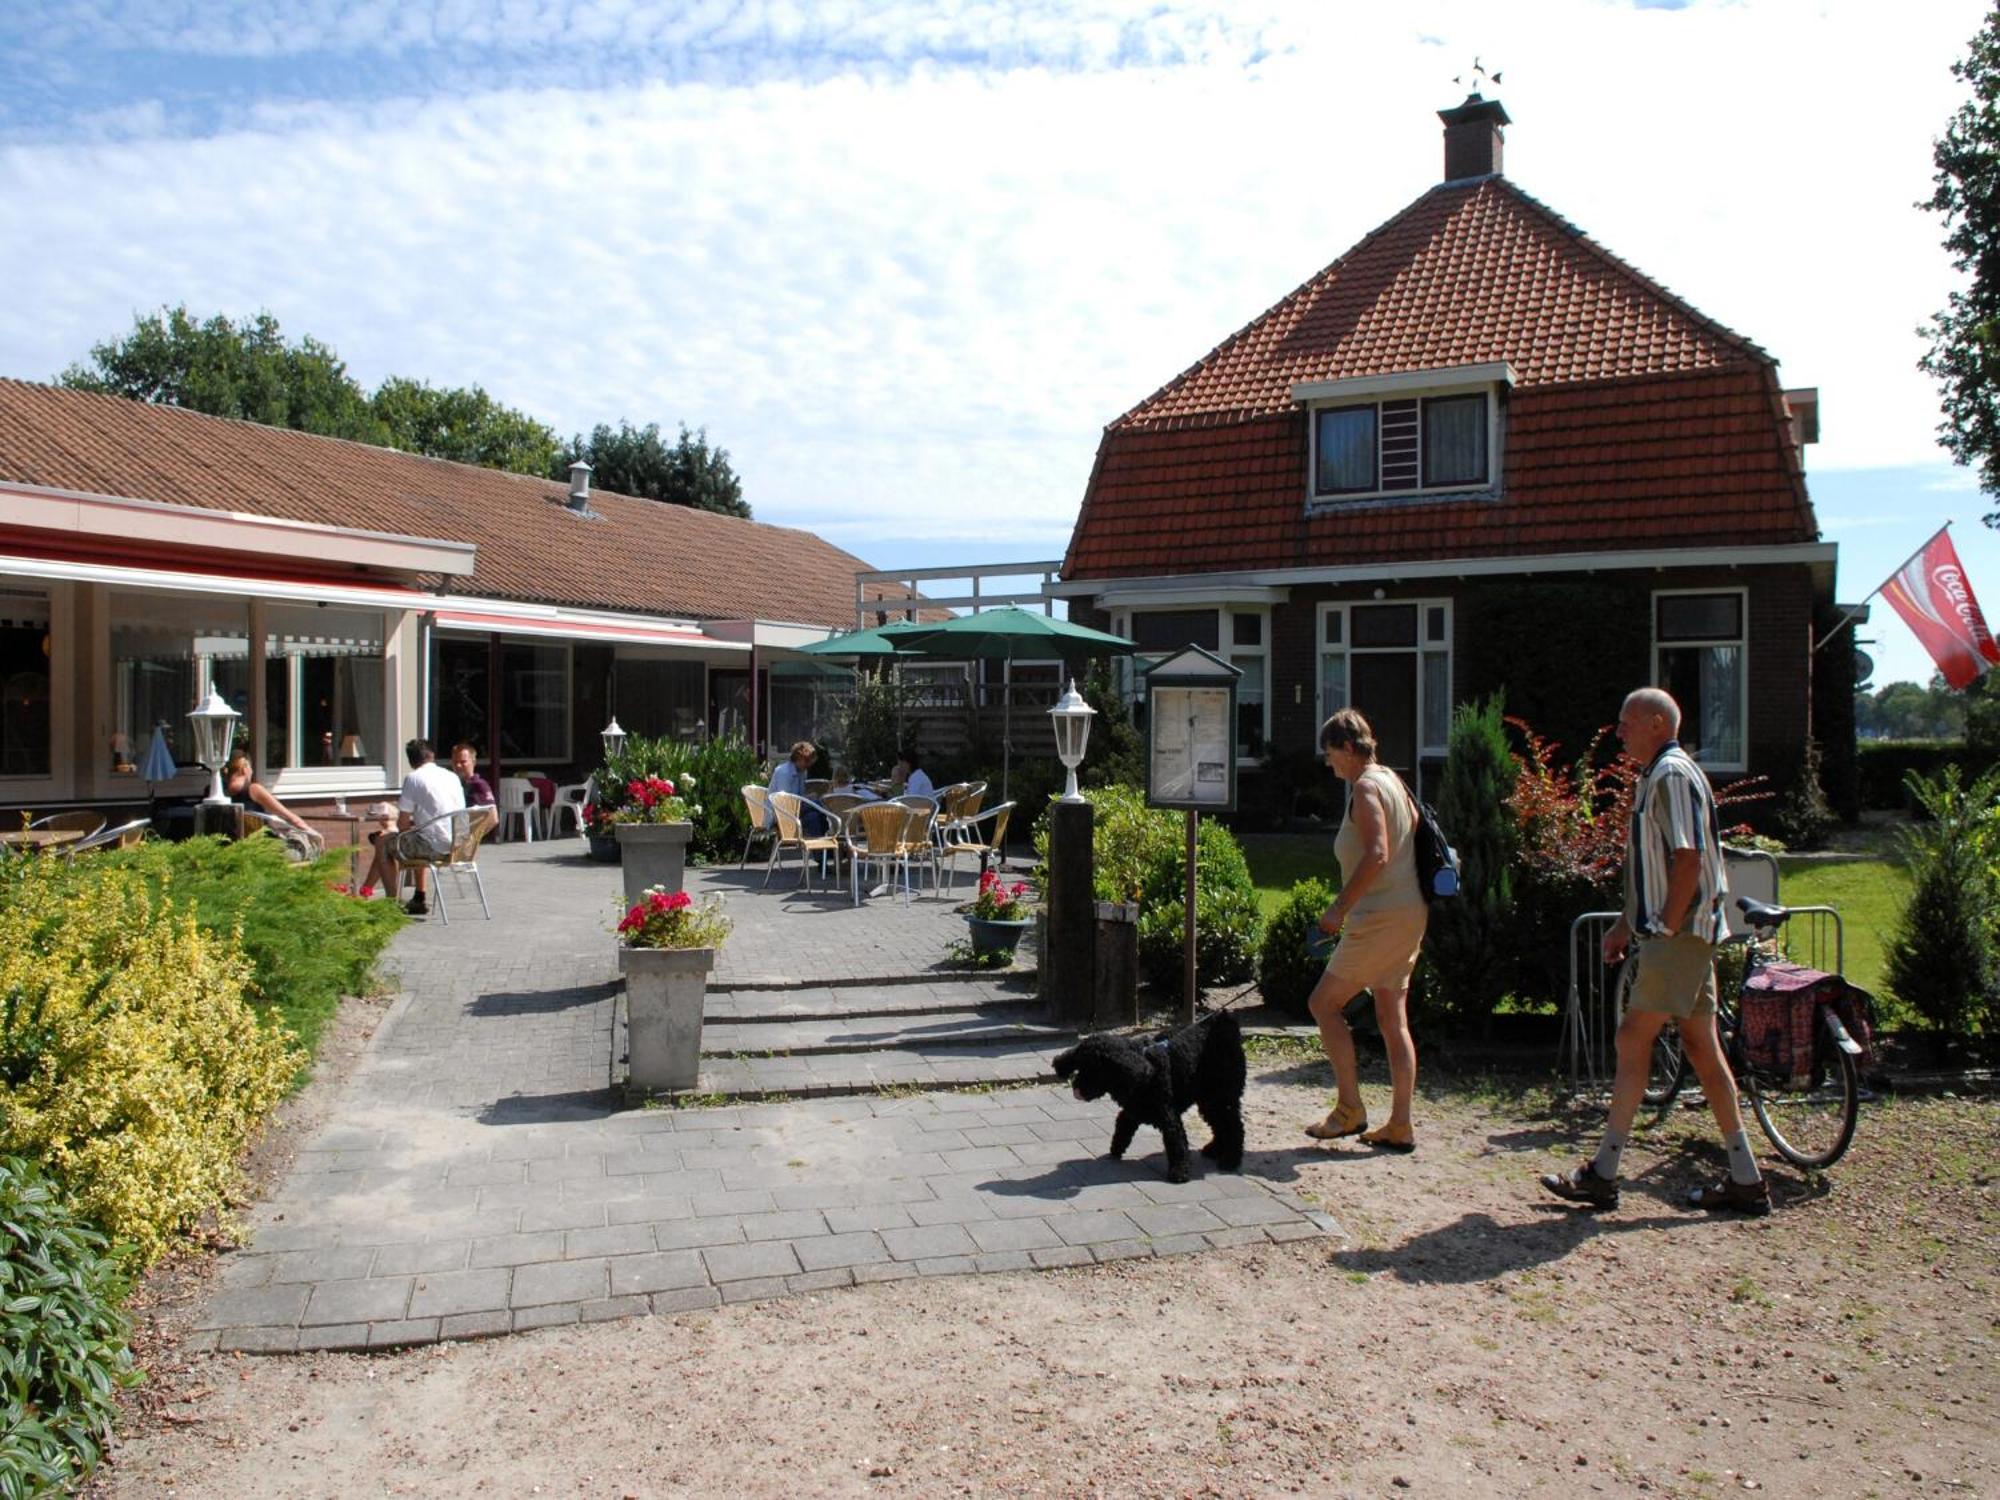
(1673, 808)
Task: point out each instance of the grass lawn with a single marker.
(1868, 892)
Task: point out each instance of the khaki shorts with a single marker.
(409, 844)
(1676, 976)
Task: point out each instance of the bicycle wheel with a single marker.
(1811, 1122)
(1665, 1071)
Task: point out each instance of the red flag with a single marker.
(1931, 594)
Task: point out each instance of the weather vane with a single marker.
(1471, 81)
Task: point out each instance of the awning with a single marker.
(308, 591)
(565, 626)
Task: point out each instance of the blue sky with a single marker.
(904, 260)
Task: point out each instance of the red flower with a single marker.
(678, 900)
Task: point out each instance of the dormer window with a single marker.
(1428, 432)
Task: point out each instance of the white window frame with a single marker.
(1128, 670)
(1742, 643)
(1420, 650)
(1486, 380)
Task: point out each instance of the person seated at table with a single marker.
(465, 761)
(910, 778)
(246, 791)
(845, 784)
(429, 792)
(789, 775)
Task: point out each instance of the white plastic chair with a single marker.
(517, 798)
(570, 799)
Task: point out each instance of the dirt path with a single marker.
(1468, 1339)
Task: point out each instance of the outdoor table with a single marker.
(41, 838)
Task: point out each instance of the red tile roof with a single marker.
(1634, 420)
(637, 555)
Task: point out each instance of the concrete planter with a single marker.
(664, 993)
(653, 854)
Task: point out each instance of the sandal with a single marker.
(1381, 1140)
(1339, 1124)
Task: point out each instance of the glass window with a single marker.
(1437, 701)
(25, 664)
(1346, 450)
(166, 650)
(324, 682)
(534, 703)
(664, 698)
(1385, 624)
(1168, 630)
(1336, 622)
(1249, 705)
(1700, 654)
(1246, 630)
(1434, 625)
(1455, 440)
(461, 696)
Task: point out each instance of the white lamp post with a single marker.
(214, 731)
(1071, 717)
(614, 739)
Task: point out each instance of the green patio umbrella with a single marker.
(876, 640)
(1009, 634)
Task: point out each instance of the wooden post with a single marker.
(1068, 958)
(1187, 929)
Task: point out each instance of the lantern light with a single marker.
(1071, 717)
(214, 731)
(614, 739)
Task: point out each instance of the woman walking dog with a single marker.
(1379, 916)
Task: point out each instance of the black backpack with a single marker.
(1437, 861)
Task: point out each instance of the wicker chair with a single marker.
(983, 837)
(756, 800)
(80, 821)
(790, 810)
(469, 827)
(877, 833)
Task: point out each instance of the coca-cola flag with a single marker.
(1931, 594)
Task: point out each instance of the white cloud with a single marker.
(907, 296)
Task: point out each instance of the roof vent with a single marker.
(1472, 138)
(579, 487)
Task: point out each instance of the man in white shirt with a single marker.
(911, 778)
(429, 792)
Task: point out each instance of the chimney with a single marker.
(1472, 138)
(579, 487)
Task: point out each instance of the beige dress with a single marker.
(1384, 930)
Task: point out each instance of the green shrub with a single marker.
(1468, 933)
(1286, 973)
(709, 775)
(308, 944)
(132, 1066)
(64, 1353)
(1228, 923)
(1942, 957)
(1117, 752)
(1804, 817)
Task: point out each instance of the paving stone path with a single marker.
(480, 1173)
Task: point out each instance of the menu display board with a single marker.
(1191, 750)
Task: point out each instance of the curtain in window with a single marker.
(1455, 440)
(1721, 704)
(1333, 682)
(1347, 449)
(1437, 700)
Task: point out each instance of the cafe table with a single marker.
(40, 838)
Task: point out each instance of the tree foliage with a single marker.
(247, 371)
(638, 461)
(1943, 961)
(1904, 711)
(1467, 934)
(1964, 356)
(464, 425)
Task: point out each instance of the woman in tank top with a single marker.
(1379, 918)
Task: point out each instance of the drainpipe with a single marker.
(756, 700)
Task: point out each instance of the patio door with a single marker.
(1385, 690)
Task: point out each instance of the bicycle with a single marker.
(1810, 1117)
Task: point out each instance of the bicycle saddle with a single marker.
(1761, 913)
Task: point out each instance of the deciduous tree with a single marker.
(638, 461)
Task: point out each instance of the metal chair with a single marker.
(468, 827)
(571, 799)
(516, 797)
(921, 834)
(790, 809)
(81, 821)
(306, 843)
(124, 836)
(878, 833)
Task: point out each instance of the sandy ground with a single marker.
(1469, 1337)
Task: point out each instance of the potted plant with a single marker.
(653, 829)
(666, 946)
(998, 915)
(600, 829)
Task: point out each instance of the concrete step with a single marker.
(991, 1026)
(925, 1068)
(832, 1002)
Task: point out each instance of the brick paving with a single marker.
(482, 1174)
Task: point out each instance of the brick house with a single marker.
(1477, 453)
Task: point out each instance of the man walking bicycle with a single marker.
(1673, 919)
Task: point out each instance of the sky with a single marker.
(905, 261)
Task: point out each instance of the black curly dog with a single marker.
(1155, 1078)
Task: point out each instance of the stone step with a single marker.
(830, 1002)
(924, 1068)
(984, 1027)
